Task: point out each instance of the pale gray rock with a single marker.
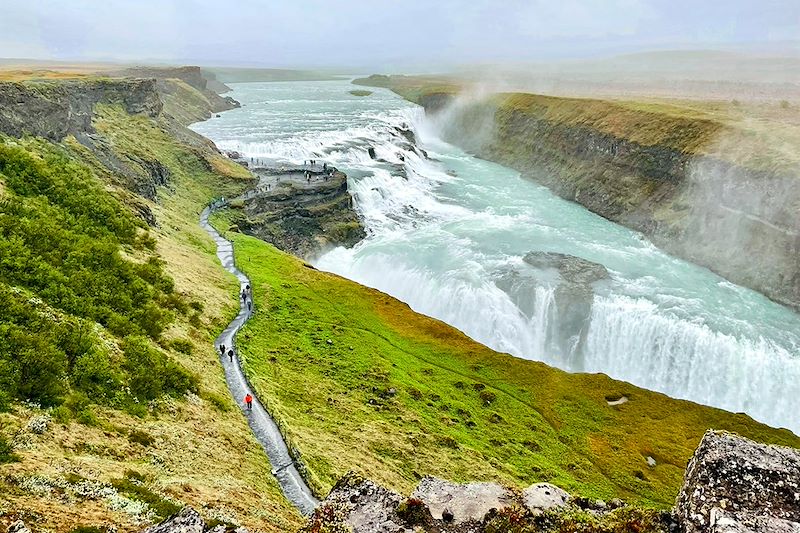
(187, 520)
(723, 522)
(465, 501)
(18, 527)
(733, 484)
(543, 496)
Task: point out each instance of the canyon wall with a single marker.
(702, 190)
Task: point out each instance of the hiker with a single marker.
(248, 400)
(324, 167)
(230, 355)
(222, 349)
(244, 294)
(247, 287)
(250, 305)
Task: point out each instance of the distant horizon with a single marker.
(356, 35)
(790, 50)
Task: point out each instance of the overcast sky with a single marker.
(382, 33)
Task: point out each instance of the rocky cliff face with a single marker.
(300, 217)
(190, 94)
(54, 110)
(734, 220)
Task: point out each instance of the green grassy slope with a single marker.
(359, 381)
(102, 444)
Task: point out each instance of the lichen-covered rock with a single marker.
(187, 520)
(733, 484)
(543, 496)
(462, 502)
(743, 522)
(18, 527)
(358, 505)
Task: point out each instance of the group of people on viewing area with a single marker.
(327, 171)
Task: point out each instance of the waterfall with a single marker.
(447, 234)
(630, 339)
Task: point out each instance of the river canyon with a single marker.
(512, 265)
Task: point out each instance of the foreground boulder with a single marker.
(359, 504)
(734, 485)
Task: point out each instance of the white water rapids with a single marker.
(448, 233)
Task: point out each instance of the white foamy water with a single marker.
(447, 235)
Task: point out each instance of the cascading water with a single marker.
(449, 233)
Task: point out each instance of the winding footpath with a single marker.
(264, 427)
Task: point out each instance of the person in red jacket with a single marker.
(248, 400)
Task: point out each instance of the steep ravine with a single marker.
(676, 178)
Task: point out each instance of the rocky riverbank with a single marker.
(303, 210)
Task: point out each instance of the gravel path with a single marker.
(264, 428)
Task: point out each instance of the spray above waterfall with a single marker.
(449, 234)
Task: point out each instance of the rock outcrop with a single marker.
(187, 520)
(18, 527)
(732, 485)
(203, 81)
(300, 217)
(550, 282)
(359, 505)
(736, 485)
(572, 269)
(54, 110)
(543, 496)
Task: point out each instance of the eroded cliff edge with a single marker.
(721, 193)
(303, 210)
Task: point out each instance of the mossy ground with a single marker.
(358, 381)
(196, 450)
